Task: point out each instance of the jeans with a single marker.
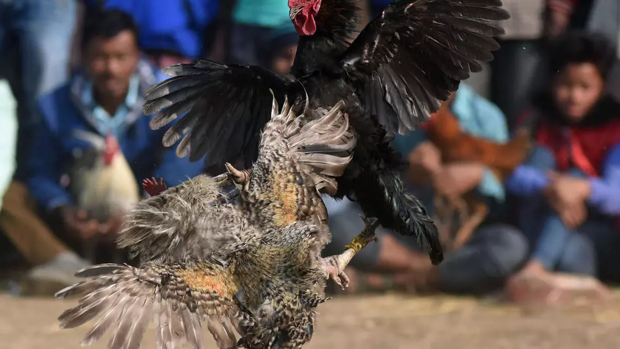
(35, 35)
(481, 266)
(590, 250)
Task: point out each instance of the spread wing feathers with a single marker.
(123, 300)
(186, 222)
(226, 105)
(412, 56)
(323, 146)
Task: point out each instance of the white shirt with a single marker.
(8, 138)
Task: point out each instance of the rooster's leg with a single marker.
(334, 266)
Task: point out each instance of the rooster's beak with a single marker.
(294, 12)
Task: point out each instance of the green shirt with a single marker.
(261, 13)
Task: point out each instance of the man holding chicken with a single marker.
(95, 145)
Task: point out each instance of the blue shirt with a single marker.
(477, 117)
(481, 118)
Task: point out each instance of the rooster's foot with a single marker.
(334, 266)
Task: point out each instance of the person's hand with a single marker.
(424, 163)
(567, 195)
(556, 23)
(76, 223)
(457, 179)
(573, 216)
(565, 190)
(112, 227)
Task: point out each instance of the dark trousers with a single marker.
(481, 266)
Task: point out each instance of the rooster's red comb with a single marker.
(154, 187)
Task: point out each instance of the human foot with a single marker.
(48, 278)
(536, 286)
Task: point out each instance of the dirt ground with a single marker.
(382, 322)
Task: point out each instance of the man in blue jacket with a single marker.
(106, 98)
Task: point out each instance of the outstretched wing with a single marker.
(179, 299)
(412, 56)
(226, 106)
(186, 222)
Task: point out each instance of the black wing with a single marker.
(412, 56)
(227, 107)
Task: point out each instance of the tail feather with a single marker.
(103, 324)
(107, 294)
(124, 299)
(87, 310)
(415, 218)
(138, 328)
(133, 311)
(193, 327)
(399, 211)
(97, 270)
(410, 216)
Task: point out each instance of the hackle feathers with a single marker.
(323, 146)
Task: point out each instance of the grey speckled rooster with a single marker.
(249, 266)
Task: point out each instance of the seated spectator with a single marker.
(35, 45)
(8, 141)
(104, 99)
(463, 149)
(8, 113)
(170, 31)
(279, 52)
(570, 186)
(253, 22)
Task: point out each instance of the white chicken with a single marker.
(101, 180)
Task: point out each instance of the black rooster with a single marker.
(391, 78)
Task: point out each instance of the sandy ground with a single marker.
(380, 322)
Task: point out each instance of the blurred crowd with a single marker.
(520, 168)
